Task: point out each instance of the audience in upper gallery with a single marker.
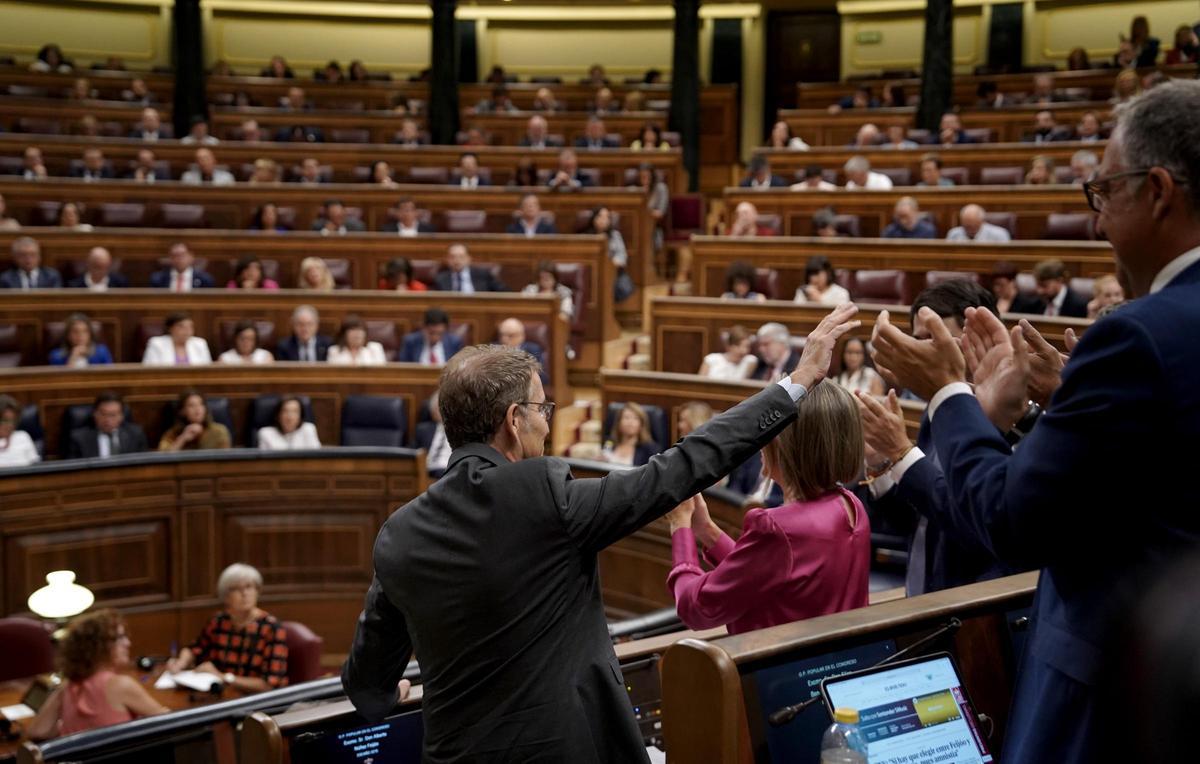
(468, 172)
(1046, 129)
(988, 96)
(431, 436)
(1078, 61)
(98, 275)
(893, 96)
(568, 176)
(310, 172)
(410, 135)
(179, 346)
(897, 138)
(109, 434)
(289, 432)
(458, 275)
(529, 220)
(635, 100)
(497, 76)
(860, 176)
(649, 139)
(511, 333)
(433, 344)
(1187, 47)
(737, 362)
(306, 343)
(266, 219)
(1044, 93)
(352, 348)
(861, 98)
(950, 130)
(199, 134)
(1041, 171)
(595, 77)
(278, 68)
(181, 275)
(242, 645)
(931, 172)
(867, 137)
(973, 226)
(525, 174)
(70, 217)
(334, 221)
(820, 284)
(246, 350)
(1088, 128)
(908, 222)
(537, 134)
(1126, 86)
(79, 347)
(194, 428)
(206, 171)
(315, 275)
(92, 658)
(144, 168)
(546, 282)
(1058, 299)
(93, 168)
(7, 223)
(17, 449)
(759, 175)
(629, 441)
(858, 375)
(265, 173)
(150, 128)
(139, 93)
(544, 100)
(499, 102)
(809, 557)
(405, 220)
(604, 102)
(27, 271)
(1107, 292)
(781, 137)
(398, 277)
(50, 59)
(776, 355)
(1008, 297)
(1145, 47)
(739, 283)
(601, 222)
(32, 165)
(814, 180)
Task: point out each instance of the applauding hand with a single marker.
(923, 366)
(884, 431)
(818, 348)
(1000, 365)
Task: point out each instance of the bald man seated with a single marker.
(511, 333)
(973, 227)
(99, 275)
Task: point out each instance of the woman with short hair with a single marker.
(820, 284)
(242, 645)
(179, 346)
(352, 348)
(547, 283)
(245, 348)
(290, 432)
(17, 449)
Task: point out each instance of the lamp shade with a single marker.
(61, 597)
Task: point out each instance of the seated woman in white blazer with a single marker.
(351, 347)
(179, 346)
(290, 432)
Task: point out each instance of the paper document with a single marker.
(191, 680)
(16, 712)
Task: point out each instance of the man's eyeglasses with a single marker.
(546, 407)
(1097, 189)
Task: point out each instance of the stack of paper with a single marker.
(191, 680)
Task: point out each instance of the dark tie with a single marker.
(458, 283)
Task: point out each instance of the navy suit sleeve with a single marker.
(378, 656)
(410, 351)
(158, 279)
(1031, 506)
(206, 281)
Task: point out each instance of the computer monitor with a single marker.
(395, 740)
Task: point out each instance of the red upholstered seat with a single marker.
(847, 225)
(304, 652)
(1070, 226)
(10, 346)
(901, 176)
(686, 217)
(465, 221)
(959, 175)
(766, 282)
(27, 648)
(1007, 220)
(933, 278)
(885, 286)
(1002, 176)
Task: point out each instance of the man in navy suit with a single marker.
(27, 271)
(432, 344)
(94, 167)
(305, 344)
(405, 221)
(595, 137)
(181, 275)
(529, 219)
(99, 275)
(760, 176)
(511, 333)
(568, 177)
(1057, 299)
(1078, 497)
(460, 276)
(468, 172)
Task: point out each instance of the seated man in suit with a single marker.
(305, 344)
(908, 223)
(760, 176)
(335, 221)
(529, 220)
(206, 171)
(511, 333)
(151, 127)
(144, 169)
(776, 355)
(27, 271)
(950, 130)
(1057, 298)
(109, 434)
(33, 166)
(1045, 129)
(459, 276)
(94, 167)
(432, 344)
(568, 177)
(537, 134)
(431, 436)
(310, 172)
(99, 275)
(405, 221)
(181, 275)
(468, 171)
(595, 137)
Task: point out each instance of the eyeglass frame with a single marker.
(546, 407)
(1091, 188)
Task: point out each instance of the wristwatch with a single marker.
(229, 677)
(1024, 425)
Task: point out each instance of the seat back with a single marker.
(384, 332)
(766, 282)
(960, 175)
(304, 652)
(1002, 176)
(847, 225)
(933, 278)
(262, 414)
(465, 221)
(429, 175)
(374, 420)
(1070, 226)
(770, 222)
(686, 214)
(885, 286)
(30, 422)
(576, 276)
(350, 135)
(901, 176)
(1006, 220)
(659, 429)
(10, 346)
(1084, 287)
(122, 214)
(182, 216)
(27, 648)
(339, 268)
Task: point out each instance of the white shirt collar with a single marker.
(1174, 268)
(1059, 299)
(95, 286)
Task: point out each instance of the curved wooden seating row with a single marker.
(141, 252)
(1031, 205)
(343, 158)
(685, 329)
(820, 128)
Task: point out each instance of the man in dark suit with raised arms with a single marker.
(1078, 496)
(490, 576)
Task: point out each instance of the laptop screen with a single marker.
(396, 740)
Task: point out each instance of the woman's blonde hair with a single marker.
(644, 431)
(326, 284)
(695, 413)
(823, 447)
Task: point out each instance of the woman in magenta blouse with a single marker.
(810, 556)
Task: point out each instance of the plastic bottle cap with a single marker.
(845, 716)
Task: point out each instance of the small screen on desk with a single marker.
(396, 740)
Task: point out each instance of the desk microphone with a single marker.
(148, 662)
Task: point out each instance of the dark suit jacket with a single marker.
(543, 227)
(490, 578)
(606, 143)
(353, 225)
(115, 281)
(48, 278)
(763, 368)
(481, 278)
(1068, 500)
(394, 227)
(106, 172)
(425, 433)
(1027, 303)
(414, 343)
(1074, 305)
(550, 142)
(776, 182)
(289, 350)
(162, 279)
(83, 445)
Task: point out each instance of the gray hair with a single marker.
(1158, 129)
(774, 331)
(907, 201)
(1086, 157)
(477, 386)
(238, 573)
(302, 309)
(857, 164)
(25, 241)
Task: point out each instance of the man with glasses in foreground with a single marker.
(1086, 495)
(490, 576)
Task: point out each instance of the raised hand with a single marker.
(818, 348)
(923, 366)
(1045, 364)
(884, 431)
(1001, 366)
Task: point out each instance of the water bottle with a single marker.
(842, 743)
